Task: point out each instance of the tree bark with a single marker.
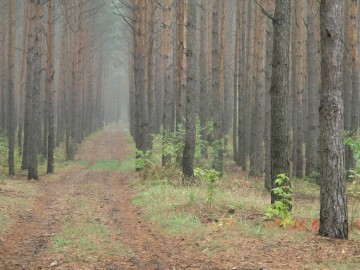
(168, 125)
(312, 144)
(300, 80)
(217, 93)
(190, 123)
(257, 155)
(333, 205)
(50, 88)
(279, 93)
(11, 89)
(34, 69)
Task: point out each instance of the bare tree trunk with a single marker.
(190, 124)
(300, 79)
(270, 6)
(257, 156)
(11, 89)
(203, 78)
(218, 95)
(236, 78)
(279, 94)
(333, 205)
(347, 89)
(33, 85)
(168, 100)
(50, 87)
(22, 79)
(312, 145)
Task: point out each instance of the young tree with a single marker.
(279, 91)
(333, 205)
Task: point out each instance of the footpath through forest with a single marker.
(27, 245)
(83, 218)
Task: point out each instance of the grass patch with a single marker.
(105, 165)
(167, 204)
(90, 241)
(15, 195)
(4, 223)
(127, 165)
(84, 237)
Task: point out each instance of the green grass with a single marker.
(164, 203)
(4, 223)
(127, 165)
(83, 237)
(105, 165)
(79, 241)
(15, 196)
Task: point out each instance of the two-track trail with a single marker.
(28, 244)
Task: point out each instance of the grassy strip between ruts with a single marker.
(105, 165)
(85, 237)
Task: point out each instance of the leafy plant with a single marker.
(210, 177)
(280, 208)
(143, 160)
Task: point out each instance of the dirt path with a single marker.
(27, 245)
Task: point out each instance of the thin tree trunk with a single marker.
(22, 80)
(190, 124)
(11, 88)
(168, 100)
(257, 156)
(312, 145)
(217, 91)
(50, 88)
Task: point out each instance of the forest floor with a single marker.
(84, 217)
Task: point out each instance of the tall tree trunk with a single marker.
(237, 53)
(3, 71)
(354, 58)
(203, 114)
(279, 94)
(333, 205)
(243, 71)
(217, 91)
(190, 124)
(257, 156)
(168, 125)
(347, 89)
(300, 79)
(23, 79)
(11, 88)
(312, 145)
(34, 70)
(270, 6)
(150, 64)
(50, 88)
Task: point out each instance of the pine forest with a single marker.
(179, 134)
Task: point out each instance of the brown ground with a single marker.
(27, 245)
